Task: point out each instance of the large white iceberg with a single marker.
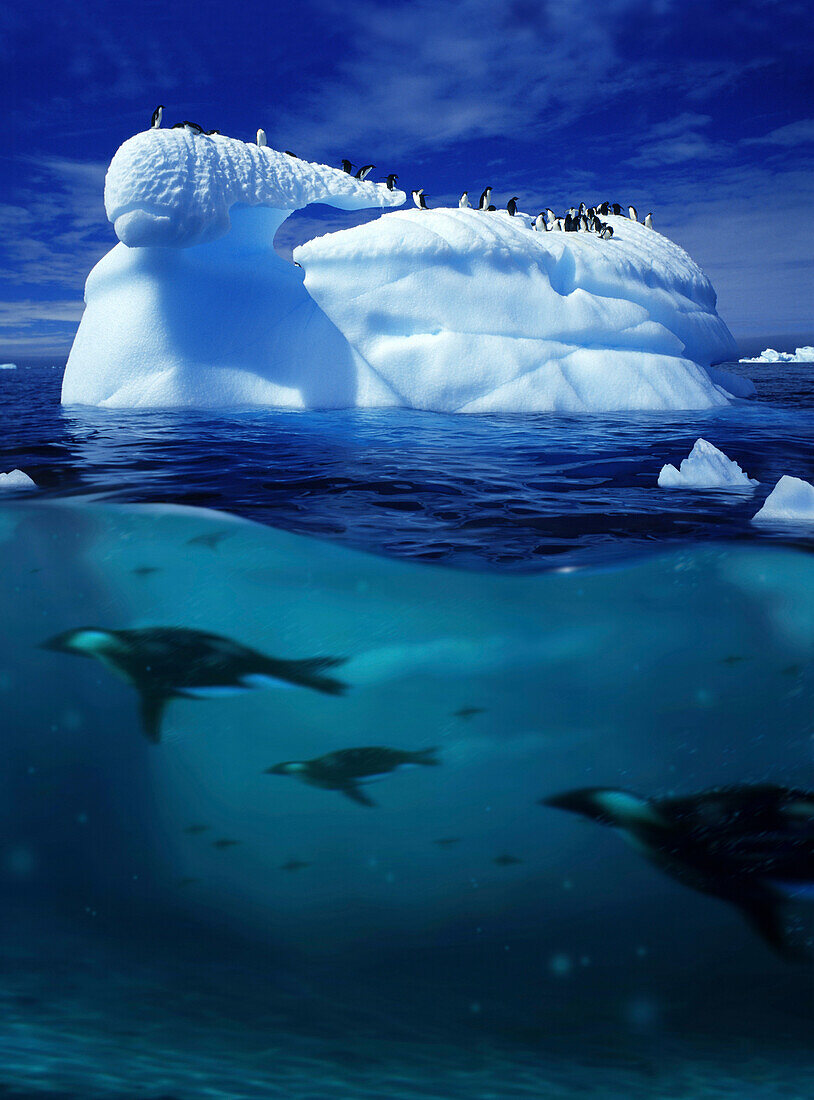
(450, 310)
(705, 468)
(790, 501)
(801, 355)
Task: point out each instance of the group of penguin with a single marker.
(587, 219)
(751, 845)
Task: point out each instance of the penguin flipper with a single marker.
(309, 673)
(356, 794)
(152, 712)
(766, 917)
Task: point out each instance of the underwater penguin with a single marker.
(365, 171)
(484, 199)
(164, 663)
(633, 214)
(391, 181)
(648, 220)
(342, 771)
(348, 167)
(463, 201)
(419, 200)
(155, 122)
(262, 140)
(511, 206)
(752, 846)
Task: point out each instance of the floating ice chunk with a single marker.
(801, 355)
(705, 468)
(8, 366)
(16, 479)
(790, 501)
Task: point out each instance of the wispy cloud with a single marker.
(795, 133)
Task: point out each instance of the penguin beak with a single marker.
(277, 769)
(60, 643)
(583, 802)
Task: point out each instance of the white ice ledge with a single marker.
(801, 355)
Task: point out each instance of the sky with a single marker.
(700, 112)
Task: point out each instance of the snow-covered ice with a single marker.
(448, 310)
(790, 501)
(16, 479)
(800, 355)
(705, 468)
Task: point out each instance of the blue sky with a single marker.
(701, 112)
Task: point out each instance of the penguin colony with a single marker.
(581, 219)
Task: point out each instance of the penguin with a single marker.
(540, 223)
(583, 223)
(187, 125)
(506, 860)
(262, 140)
(365, 171)
(550, 216)
(571, 223)
(463, 201)
(603, 209)
(343, 770)
(484, 199)
(348, 167)
(634, 217)
(582, 208)
(288, 153)
(617, 209)
(607, 232)
(648, 220)
(294, 865)
(164, 663)
(155, 122)
(212, 133)
(391, 181)
(749, 845)
(491, 209)
(511, 206)
(558, 224)
(419, 200)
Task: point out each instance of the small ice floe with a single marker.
(800, 355)
(705, 468)
(8, 366)
(16, 479)
(790, 501)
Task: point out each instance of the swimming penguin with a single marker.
(391, 181)
(484, 199)
(348, 167)
(343, 770)
(262, 140)
(419, 200)
(511, 206)
(365, 171)
(156, 119)
(634, 217)
(648, 220)
(752, 846)
(463, 201)
(164, 663)
(294, 865)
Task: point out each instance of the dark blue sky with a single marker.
(701, 112)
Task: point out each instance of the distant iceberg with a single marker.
(705, 468)
(790, 501)
(8, 366)
(445, 310)
(16, 479)
(801, 355)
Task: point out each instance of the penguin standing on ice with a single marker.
(617, 209)
(648, 220)
(262, 140)
(540, 223)
(606, 232)
(155, 123)
(391, 181)
(365, 171)
(348, 167)
(511, 206)
(463, 201)
(164, 663)
(632, 213)
(485, 199)
(419, 200)
(749, 845)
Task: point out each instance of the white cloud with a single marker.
(796, 133)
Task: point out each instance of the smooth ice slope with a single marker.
(801, 355)
(463, 311)
(790, 501)
(196, 308)
(705, 468)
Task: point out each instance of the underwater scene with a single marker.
(387, 754)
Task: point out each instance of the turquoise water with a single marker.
(178, 923)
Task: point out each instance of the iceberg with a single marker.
(444, 310)
(16, 479)
(8, 366)
(801, 355)
(705, 468)
(790, 501)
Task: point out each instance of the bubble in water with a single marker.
(641, 1013)
(560, 965)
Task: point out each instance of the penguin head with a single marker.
(88, 641)
(607, 806)
(288, 767)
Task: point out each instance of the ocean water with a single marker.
(516, 594)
